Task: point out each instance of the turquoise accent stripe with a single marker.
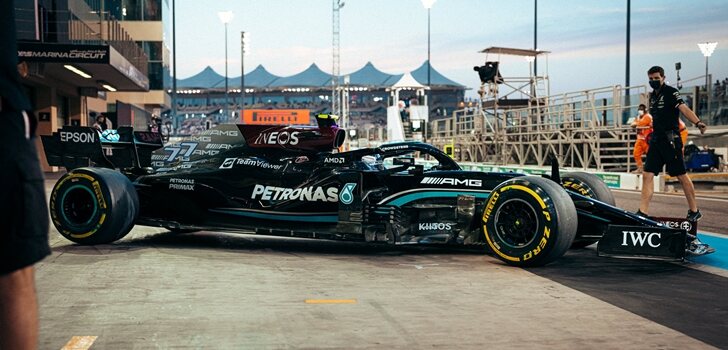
(281, 217)
(400, 201)
(587, 214)
(718, 259)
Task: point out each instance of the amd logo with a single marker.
(638, 239)
(452, 181)
(435, 226)
(200, 152)
(75, 136)
(277, 138)
(334, 160)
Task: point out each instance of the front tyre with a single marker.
(588, 185)
(529, 221)
(94, 205)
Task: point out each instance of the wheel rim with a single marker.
(78, 206)
(516, 223)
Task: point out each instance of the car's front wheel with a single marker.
(529, 221)
(588, 185)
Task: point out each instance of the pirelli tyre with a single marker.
(94, 205)
(529, 221)
(588, 185)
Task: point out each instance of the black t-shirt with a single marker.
(10, 86)
(664, 103)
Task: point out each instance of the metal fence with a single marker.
(584, 129)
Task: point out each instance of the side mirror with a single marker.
(418, 170)
(404, 161)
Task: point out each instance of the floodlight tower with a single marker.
(225, 18)
(707, 50)
(336, 49)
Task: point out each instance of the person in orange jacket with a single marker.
(683, 134)
(643, 125)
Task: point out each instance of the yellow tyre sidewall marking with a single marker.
(99, 198)
(578, 186)
(486, 215)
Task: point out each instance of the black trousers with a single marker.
(23, 209)
(665, 151)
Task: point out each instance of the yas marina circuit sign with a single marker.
(33, 52)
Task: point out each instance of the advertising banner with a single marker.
(62, 53)
(276, 116)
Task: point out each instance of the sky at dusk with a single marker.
(586, 38)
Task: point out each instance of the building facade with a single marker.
(148, 22)
(76, 57)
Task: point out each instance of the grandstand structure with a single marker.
(201, 97)
(518, 121)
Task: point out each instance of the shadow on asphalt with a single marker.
(684, 299)
(246, 242)
(689, 301)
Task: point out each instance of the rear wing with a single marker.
(75, 146)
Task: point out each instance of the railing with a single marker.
(583, 129)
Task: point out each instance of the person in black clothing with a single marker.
(101, 123)
(666, 146)
(23, 211)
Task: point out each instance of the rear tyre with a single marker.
(588, 185)
(529, 221)
(94, 205)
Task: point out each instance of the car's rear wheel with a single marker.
(588, 185)
(94, 205)
(529, 221)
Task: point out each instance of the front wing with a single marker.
(628, 235)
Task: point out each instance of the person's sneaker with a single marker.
(696, 247)
(640, 213)
(694, 215)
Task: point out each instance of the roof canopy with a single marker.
(257, 78)
(513, 52)
(369, 76)
(206, 79)
(436, 79)
(314, 77)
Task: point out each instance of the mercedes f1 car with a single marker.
(291, 181)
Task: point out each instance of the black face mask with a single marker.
(655, 84)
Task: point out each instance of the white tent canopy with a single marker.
(417, 114)
(407, 82)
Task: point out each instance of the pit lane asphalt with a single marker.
(155, 289)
